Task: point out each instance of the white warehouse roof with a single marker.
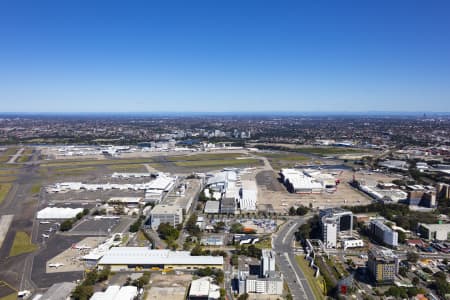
(115, 292)
(58, 213)
(144, 255)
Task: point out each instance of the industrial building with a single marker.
(438, 232)
(212, 207)
(115, 292)
(204, 289)
(267, 262)
(307, 181)
(53, 213)
(234, 195)
(384, 233)
(333, 221)
(162, 213)
(58, 291)
(132, 258)
(382, 265)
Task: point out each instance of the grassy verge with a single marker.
(70, 171)
(12, 296)
(74, 163)
(22, 244)
(219, 163)
(7, 179)
(199, 157)
(23, 158)
(285, 160)
(128, 168)
(316, 284)
(265, 243)
(36, 188)
(4, 156)
(4, 190)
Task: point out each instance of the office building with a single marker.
(267, 262)
(333, 221)
(171, 214)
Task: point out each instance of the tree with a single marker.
(412, 256)
(243, 297)
(83, 292)
(219, 226)
(168, 232)
(191, 225)
(197, 251)
(292, 211)
(236, 228)
(66, 225)
(415, 281)
(301, 210)
(142, 281)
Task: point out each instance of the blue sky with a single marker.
(224, 56)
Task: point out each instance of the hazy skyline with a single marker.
(211, 56)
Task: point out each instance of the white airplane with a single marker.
(45, 235)
(50, 230)
(56, 266)
(81, 247)
(24, 293)
(44, 222)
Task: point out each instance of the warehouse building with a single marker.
(161, 213)
(307, 181)
(143, 258)
(204, 289)
(115, 292)
(384, 233)
(53, 213)
(438, 232)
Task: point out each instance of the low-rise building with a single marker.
(204, 289)
(143, 258)
(439, 232)
(161, 213)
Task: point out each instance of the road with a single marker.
(294, 276)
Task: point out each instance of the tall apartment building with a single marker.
(382, 265)
(384, 233)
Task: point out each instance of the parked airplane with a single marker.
(56, 266)
(45, 235)
(81, 247)
(44, 222)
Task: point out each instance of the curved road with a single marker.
(282, 244)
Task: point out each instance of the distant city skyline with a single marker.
(225, 56)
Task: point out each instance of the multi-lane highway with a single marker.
(294, 276)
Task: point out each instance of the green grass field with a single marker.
(284, 160)
(201, 157)
(72, 163)
(23, 158)
(316, 284)
(22, 244)
(36, 188)
(219, 163)
(4, 190)
(70, 171)
(5, 155)
(7, 179)
(128, 168)
(12, 296)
